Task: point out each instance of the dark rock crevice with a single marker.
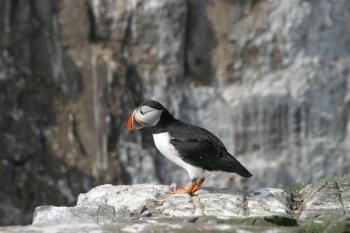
(245, 204)
(341, 199)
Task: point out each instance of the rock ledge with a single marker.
(151, 208)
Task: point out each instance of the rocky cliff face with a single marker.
(270, 78)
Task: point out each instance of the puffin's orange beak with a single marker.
(131, 126)
(130, 120)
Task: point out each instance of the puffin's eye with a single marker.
(141, 111)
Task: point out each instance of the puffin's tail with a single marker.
(230, 164)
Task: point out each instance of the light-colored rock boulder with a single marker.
(152, 208)
(108, 204)
(111, 203)
(326, 200)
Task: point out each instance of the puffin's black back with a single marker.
(201, 148)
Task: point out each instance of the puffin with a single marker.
(191, 147)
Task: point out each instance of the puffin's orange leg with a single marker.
(190, 189)
(187, 189)
(197, 185)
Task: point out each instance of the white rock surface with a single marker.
(155, 200)
(108, 203)
(265, 202)
(151, 208)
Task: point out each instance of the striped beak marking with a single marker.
(134, 123)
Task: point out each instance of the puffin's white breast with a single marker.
(162, 142)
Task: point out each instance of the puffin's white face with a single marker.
(144, 116)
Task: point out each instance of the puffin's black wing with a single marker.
(201, 148)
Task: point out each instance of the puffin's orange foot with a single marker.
(190, 189)
(183, 190)
(197, 185)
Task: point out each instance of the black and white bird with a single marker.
(195, 149)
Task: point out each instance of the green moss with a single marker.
(295, 188)
(314, 227)
(340, 226)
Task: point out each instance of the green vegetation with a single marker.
(295, 188)
(314, 227)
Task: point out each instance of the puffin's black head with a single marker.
(146, 115)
